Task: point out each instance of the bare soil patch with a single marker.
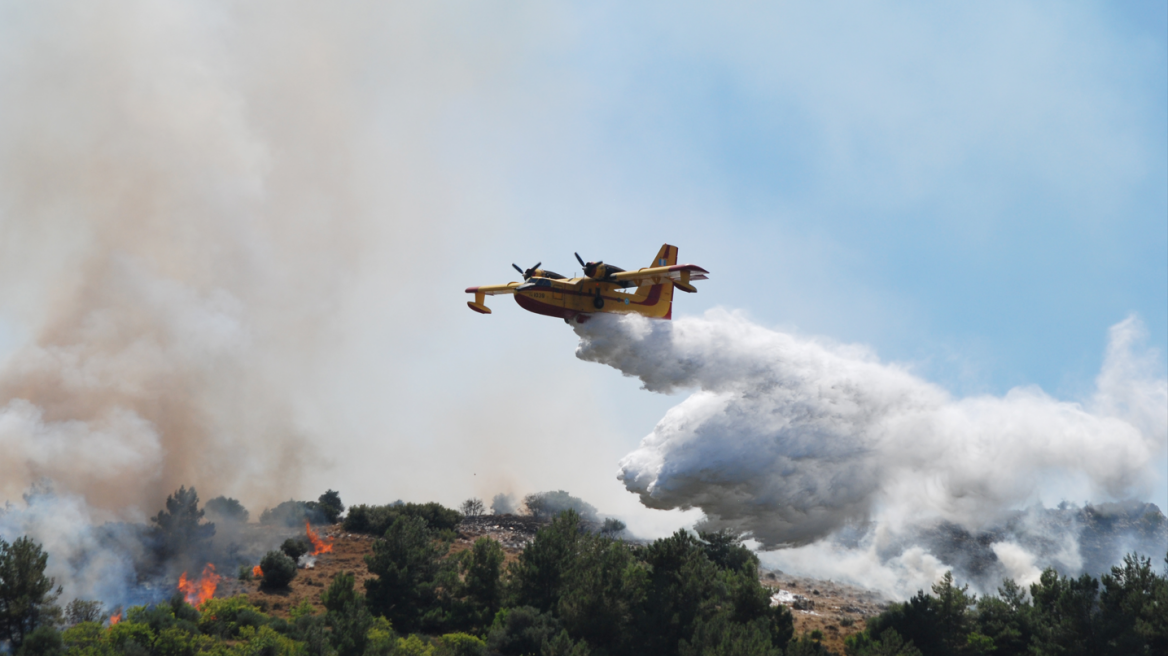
(836, 609)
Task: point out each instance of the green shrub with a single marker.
(330, 504)
(225, 618)
(462, 644)
(27, 599)
(45, 640)
(545, 505)
(409, 568)
(226, 509)
(376, 520)
(294, 513)
(80, 610)
(413, 646)
(279, 569)
(522, 630)
(180, 528)
(295, 548)
(380, 641)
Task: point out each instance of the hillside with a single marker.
(837, 610)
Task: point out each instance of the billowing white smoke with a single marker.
(792, 439)
(89, 559)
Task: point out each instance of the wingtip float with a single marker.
(601, 289)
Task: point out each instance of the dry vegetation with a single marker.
(836, 609)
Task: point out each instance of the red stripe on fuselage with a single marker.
(539, 307)
(548, 310)
(651, 299)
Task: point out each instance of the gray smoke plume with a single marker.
(177, 214)
(147, 212)
(793, 440)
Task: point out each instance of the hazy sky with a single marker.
(975, 191)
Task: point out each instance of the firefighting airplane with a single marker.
(600, 290)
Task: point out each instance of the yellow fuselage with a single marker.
(573, 298)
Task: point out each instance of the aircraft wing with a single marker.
(679, 274)
(491, 290)
(488, 290)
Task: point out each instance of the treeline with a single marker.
(570, 593)
(1123, 613)
(573, 592)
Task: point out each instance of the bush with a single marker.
(522, 630)
(294, 548)
(27, 598)
(471, 508)
(612, 527)
(545, 505)
(279, 569)
(227, 618)
(178, 526)
(294, 513)
(80, 610)
(346, 615)
(376, 520)
(226, 509)
(44, 641)
(462, 644)
(407, 564)
(413, 646)
(330, 504)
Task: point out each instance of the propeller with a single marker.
(528, 273)
(590, 267)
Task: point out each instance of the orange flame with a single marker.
(115, 618)
(202, 589)
(319, 546)
(257, 572)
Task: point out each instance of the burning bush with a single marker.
(319, 546)
(201, 589)
(376, 520)
(278, 568)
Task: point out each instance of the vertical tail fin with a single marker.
(667, 256)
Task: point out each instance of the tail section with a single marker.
(667, 256)
(663, 292)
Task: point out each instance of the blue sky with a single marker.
(974, 190)
(978, 190)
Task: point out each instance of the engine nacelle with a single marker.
(600, 270)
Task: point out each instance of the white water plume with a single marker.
(792, 439)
